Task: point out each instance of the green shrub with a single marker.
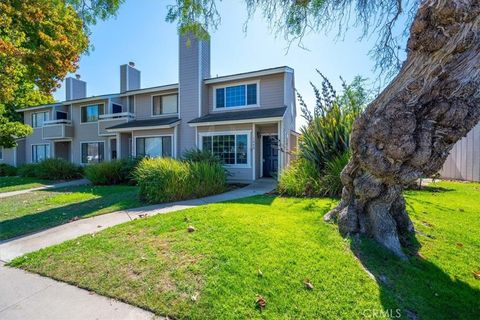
(325, 141)
(57, 169)
(331, 184)
(51, 169)
(7, 170)
(166, 179)
(112, 172)
(196, 155)
(28, 170)
(300, 179)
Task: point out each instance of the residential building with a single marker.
(246, 119)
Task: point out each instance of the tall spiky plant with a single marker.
(327, 133)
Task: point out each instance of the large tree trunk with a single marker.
(409, 129)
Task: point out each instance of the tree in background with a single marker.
(40, 42)
(409, 129)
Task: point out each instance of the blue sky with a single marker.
(139, 33)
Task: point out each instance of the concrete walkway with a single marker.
(28, 296)
(72, 183)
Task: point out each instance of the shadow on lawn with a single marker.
(418, 287)
(42, 220)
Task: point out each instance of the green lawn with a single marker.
(156, 264)
(27, 213)
(8, 184)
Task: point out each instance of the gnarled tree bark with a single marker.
(409, 129)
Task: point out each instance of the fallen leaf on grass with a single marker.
(476, 275)
(308, 284)
(191, 228)
(261, 302)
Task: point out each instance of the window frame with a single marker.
(47, 156)
(43, 123)
(87, 142)
(234, 84)
(247, 165)
(154, 136)
(88, 105)
(162, 95)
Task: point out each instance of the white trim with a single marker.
(248, 75)
(234, 84)
(218, 123)
(48, 107)
(83, 142)
(261, 150)
(175, 133)
(200, 78)
(167, 126)
(134, 142)
(87, 105)
(248, 165)
(164, 115)
(118, 136)
(254, 147)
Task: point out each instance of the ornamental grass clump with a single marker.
(166, 179)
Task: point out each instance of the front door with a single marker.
(113, 149)
(270, 156)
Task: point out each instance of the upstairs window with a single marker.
(166, 104)
(236, 96)
(38, 118)
(92, 112)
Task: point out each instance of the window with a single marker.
(38, 118)
(167, 104)
(154, 146)
(40, 152)
(236, 96)
(92, 112)
(93, 152)
(131, 104)
(116, 108)
(61, 115)
(232, 148)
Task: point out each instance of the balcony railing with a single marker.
(120, 115)
(57, 129)
(112, 119)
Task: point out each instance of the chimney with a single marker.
(75, 88)
(194, 67)
(129, 77)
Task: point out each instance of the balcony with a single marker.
(113, 119)
(57, 129)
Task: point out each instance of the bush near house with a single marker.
(197, 155)
(166, 179)
(51, 169)
(324, 144)
(112, 172)
(7, 170)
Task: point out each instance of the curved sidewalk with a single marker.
(29, 296)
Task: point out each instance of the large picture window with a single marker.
(232, 149)
(92, 112)
(40, 152)
(236, 96)
(166, 104)
(93, 152)
(38, 118)
(154, 147)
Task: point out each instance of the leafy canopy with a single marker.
(40, 42)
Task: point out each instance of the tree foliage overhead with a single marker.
(293, 19)
(40, 42)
